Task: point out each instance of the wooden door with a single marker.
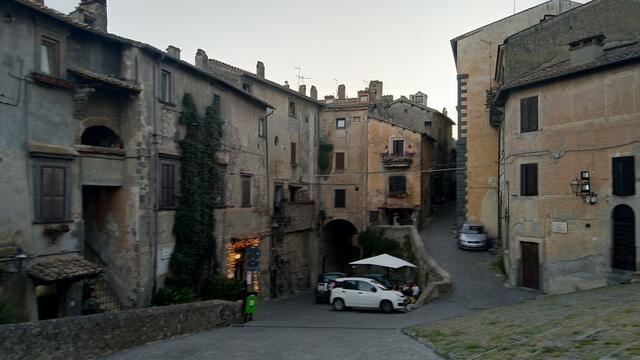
(624, 239)
(530, 265)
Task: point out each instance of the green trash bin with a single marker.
(250, 304)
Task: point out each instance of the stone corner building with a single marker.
(570, 148)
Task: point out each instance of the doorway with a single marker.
(624, 239)
(530, 265)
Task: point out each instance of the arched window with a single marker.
(101, 136)
(624, 239)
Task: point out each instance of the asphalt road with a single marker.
(296, 328)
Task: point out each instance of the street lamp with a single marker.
(581, 187)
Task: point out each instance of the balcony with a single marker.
(392, 160)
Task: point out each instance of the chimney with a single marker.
(286, 84)
(586, 50)
(375, 89)
(174, 52)
(260, 69)
(342, 90)
(92, 13)
(302, 89)
(329, 99)
(313, 93)
(202, 60)
(444, 111)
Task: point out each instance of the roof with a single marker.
(455, 40)
(616, 56)
(57, 268)
(265, 81)
(42, 9)
(413, 103)
(106, 79)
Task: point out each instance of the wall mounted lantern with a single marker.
(581, 187)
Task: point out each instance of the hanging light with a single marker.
(581, 187)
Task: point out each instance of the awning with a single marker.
(106, 80)
(59, 268)
(384, 260)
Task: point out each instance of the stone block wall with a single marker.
(97, 335)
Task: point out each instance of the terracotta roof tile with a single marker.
(107, 79)
(59, 268)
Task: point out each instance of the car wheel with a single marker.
(338, 305)
(386, 306)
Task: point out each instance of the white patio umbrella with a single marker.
(384, 260)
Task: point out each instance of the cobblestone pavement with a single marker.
(597, 324)
(296, 328)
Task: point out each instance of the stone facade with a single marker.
(477, 151)
(587, 119)
(88, 128)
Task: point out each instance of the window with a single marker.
(341, 123)
(374, 217)
(292, 109)
(529, 114)
(165, 91)
(53, 194)
(529, 179)
(262, 129)
(340, 198)
(624, 176)
(294, 193)
(50, 57)
(246, 87)
(364, 98)
(365, 286)
(167, 185)
(356, 119)
(220, 187)
(293, 153)
(397, 184)
(339, 161)
(419, 99)
(398, 147)
(246, 191)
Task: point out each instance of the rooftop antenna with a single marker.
(301, 78)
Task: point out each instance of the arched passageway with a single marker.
(624, 239)
(340, 245)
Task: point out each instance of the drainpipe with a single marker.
(269, 187)
(155, 179)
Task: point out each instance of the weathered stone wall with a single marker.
(93, 336)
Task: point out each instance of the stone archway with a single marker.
(340, 244)
(624, 239)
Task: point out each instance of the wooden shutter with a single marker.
(339, 161)
(168, 186)
(246, 191)
(529, 114)
(397, 184)
(52, 193)
(293, 152)
(624, 176)
(529, 179)
(398, 147)
(340, 199)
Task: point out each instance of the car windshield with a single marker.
(328, 277)
(472, 230)
(382, 287)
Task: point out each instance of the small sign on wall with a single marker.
(559, 227)
(166, 252)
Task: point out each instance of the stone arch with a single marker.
(623, 244)
(93, 122)
(340, 244)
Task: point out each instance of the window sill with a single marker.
(167, 102)
(52, 80)
(48, 222)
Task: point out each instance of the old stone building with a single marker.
(291, 133)
(570, 148)
(90, 162)
(477, 151)
(373, 172)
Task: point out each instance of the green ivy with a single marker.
(6, 313)
(193, 259)
(324, 156)
(375, 243)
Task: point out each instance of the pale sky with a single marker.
(404, 43)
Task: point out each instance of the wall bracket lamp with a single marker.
(581, 187)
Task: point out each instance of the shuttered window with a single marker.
(246, 191)
(397, 184)
(167, 185)
(624, 176)
(339, 161)
(294, 151)
(340, 198)
(529, 114)
(529, 179)
(398, 147)
(52, 193)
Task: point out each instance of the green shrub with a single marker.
(374, 243)
(6, 313)
(169, 296)
(219, 287)
(324, 156)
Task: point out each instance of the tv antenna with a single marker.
(301, 78)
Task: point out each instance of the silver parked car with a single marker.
(473, 237)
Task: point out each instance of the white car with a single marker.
(358, 292)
